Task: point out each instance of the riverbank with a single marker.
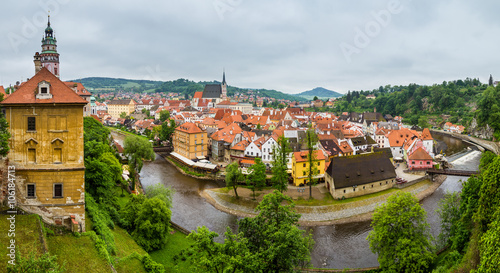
(351, 210)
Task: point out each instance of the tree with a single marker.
(315, 98)
(489, 194)
(449, 212)
(129, 212)
(99, 179)
(152, 224)
(164, 115)
(401, 235)
(4, 135)
(167, 130)
(311, 139)
(256, 180)
(162, 192)
(231, 256)
(137, 149)
(422, 122)
(490, 81)
(489, 247)
(279, 164)
(233, 177)
(275, 237)
(123, 115)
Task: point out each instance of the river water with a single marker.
(336, 246)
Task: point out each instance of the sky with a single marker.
(286, 45)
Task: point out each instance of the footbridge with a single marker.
(451, 172)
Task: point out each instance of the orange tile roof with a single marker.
(345, 147)
(419, 154)
(241, 146)
(198, 95)
(302, 156)
(61, 93)
(80, 89)
(398, 137)
(189, 128)
(426, 135)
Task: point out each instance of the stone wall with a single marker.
(359, 190)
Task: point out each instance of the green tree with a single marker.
(99, 179)
(486, 158)
(231, 256)
(401, 235)
(164, 115)
(489, 247)
(162, 192)
(489, 194)
(422, 122)
(275, 237)
(315, 98)
(137, 149)
(449, 212)
(279, 164)
(129, 212)
(311, 140)
(94, 130)
(123, 115)
(167, 130)
(32, 264)
(152, 224)
(256, 179)
(4, 135)
(234, 176)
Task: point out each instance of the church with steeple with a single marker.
(216, 92)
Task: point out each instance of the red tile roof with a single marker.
(80, 89)
(419, 154)
(61, 93)
(189, 128)
(302, 156)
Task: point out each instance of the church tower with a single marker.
(49, 57)
(224, 86)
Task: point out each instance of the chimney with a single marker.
(38, 62)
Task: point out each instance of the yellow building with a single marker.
(116, 107)
(300, 167)
(46, 124)
(190, 141)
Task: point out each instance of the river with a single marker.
(336, 246)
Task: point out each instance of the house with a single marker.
(190, 141)
(116, 107)
(237, 152)
(300, 167)
(330, 148)
(428, 141)
(361, 144)
(254, 149)
(46, 124)
(396, 140)
(223, 140)
(359, 175)
(268, 149)
(419, 159)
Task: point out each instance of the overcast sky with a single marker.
(287, 45)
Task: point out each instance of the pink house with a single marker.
(419, 159)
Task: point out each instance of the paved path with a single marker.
(340, 212)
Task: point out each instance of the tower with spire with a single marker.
(224, 85)
(49, 57)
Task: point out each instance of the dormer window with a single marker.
(43, 90)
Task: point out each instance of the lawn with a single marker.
(79, 253)
(126, 246)
(122, 200)
(170, 256)
(27, 236)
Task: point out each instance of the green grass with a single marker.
(126, 133)
(126, 261)
(327, 200)
(122, 200)
(27, 236)
(176, 243)
(79, 254)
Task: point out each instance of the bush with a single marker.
(44, 263)
(102, 223)
(100, 245)
(152, 266)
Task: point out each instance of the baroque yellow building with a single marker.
(300, 167)
(45, 117)
(116, 107)
(190, 141)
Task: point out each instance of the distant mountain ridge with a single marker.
(319, 92)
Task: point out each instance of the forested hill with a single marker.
(182, 86)
(320, 92)
(455, 101)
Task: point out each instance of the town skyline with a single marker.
(287, 46)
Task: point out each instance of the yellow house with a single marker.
(190, 141)
(116, 107)
(300, 166)
(46, 124)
